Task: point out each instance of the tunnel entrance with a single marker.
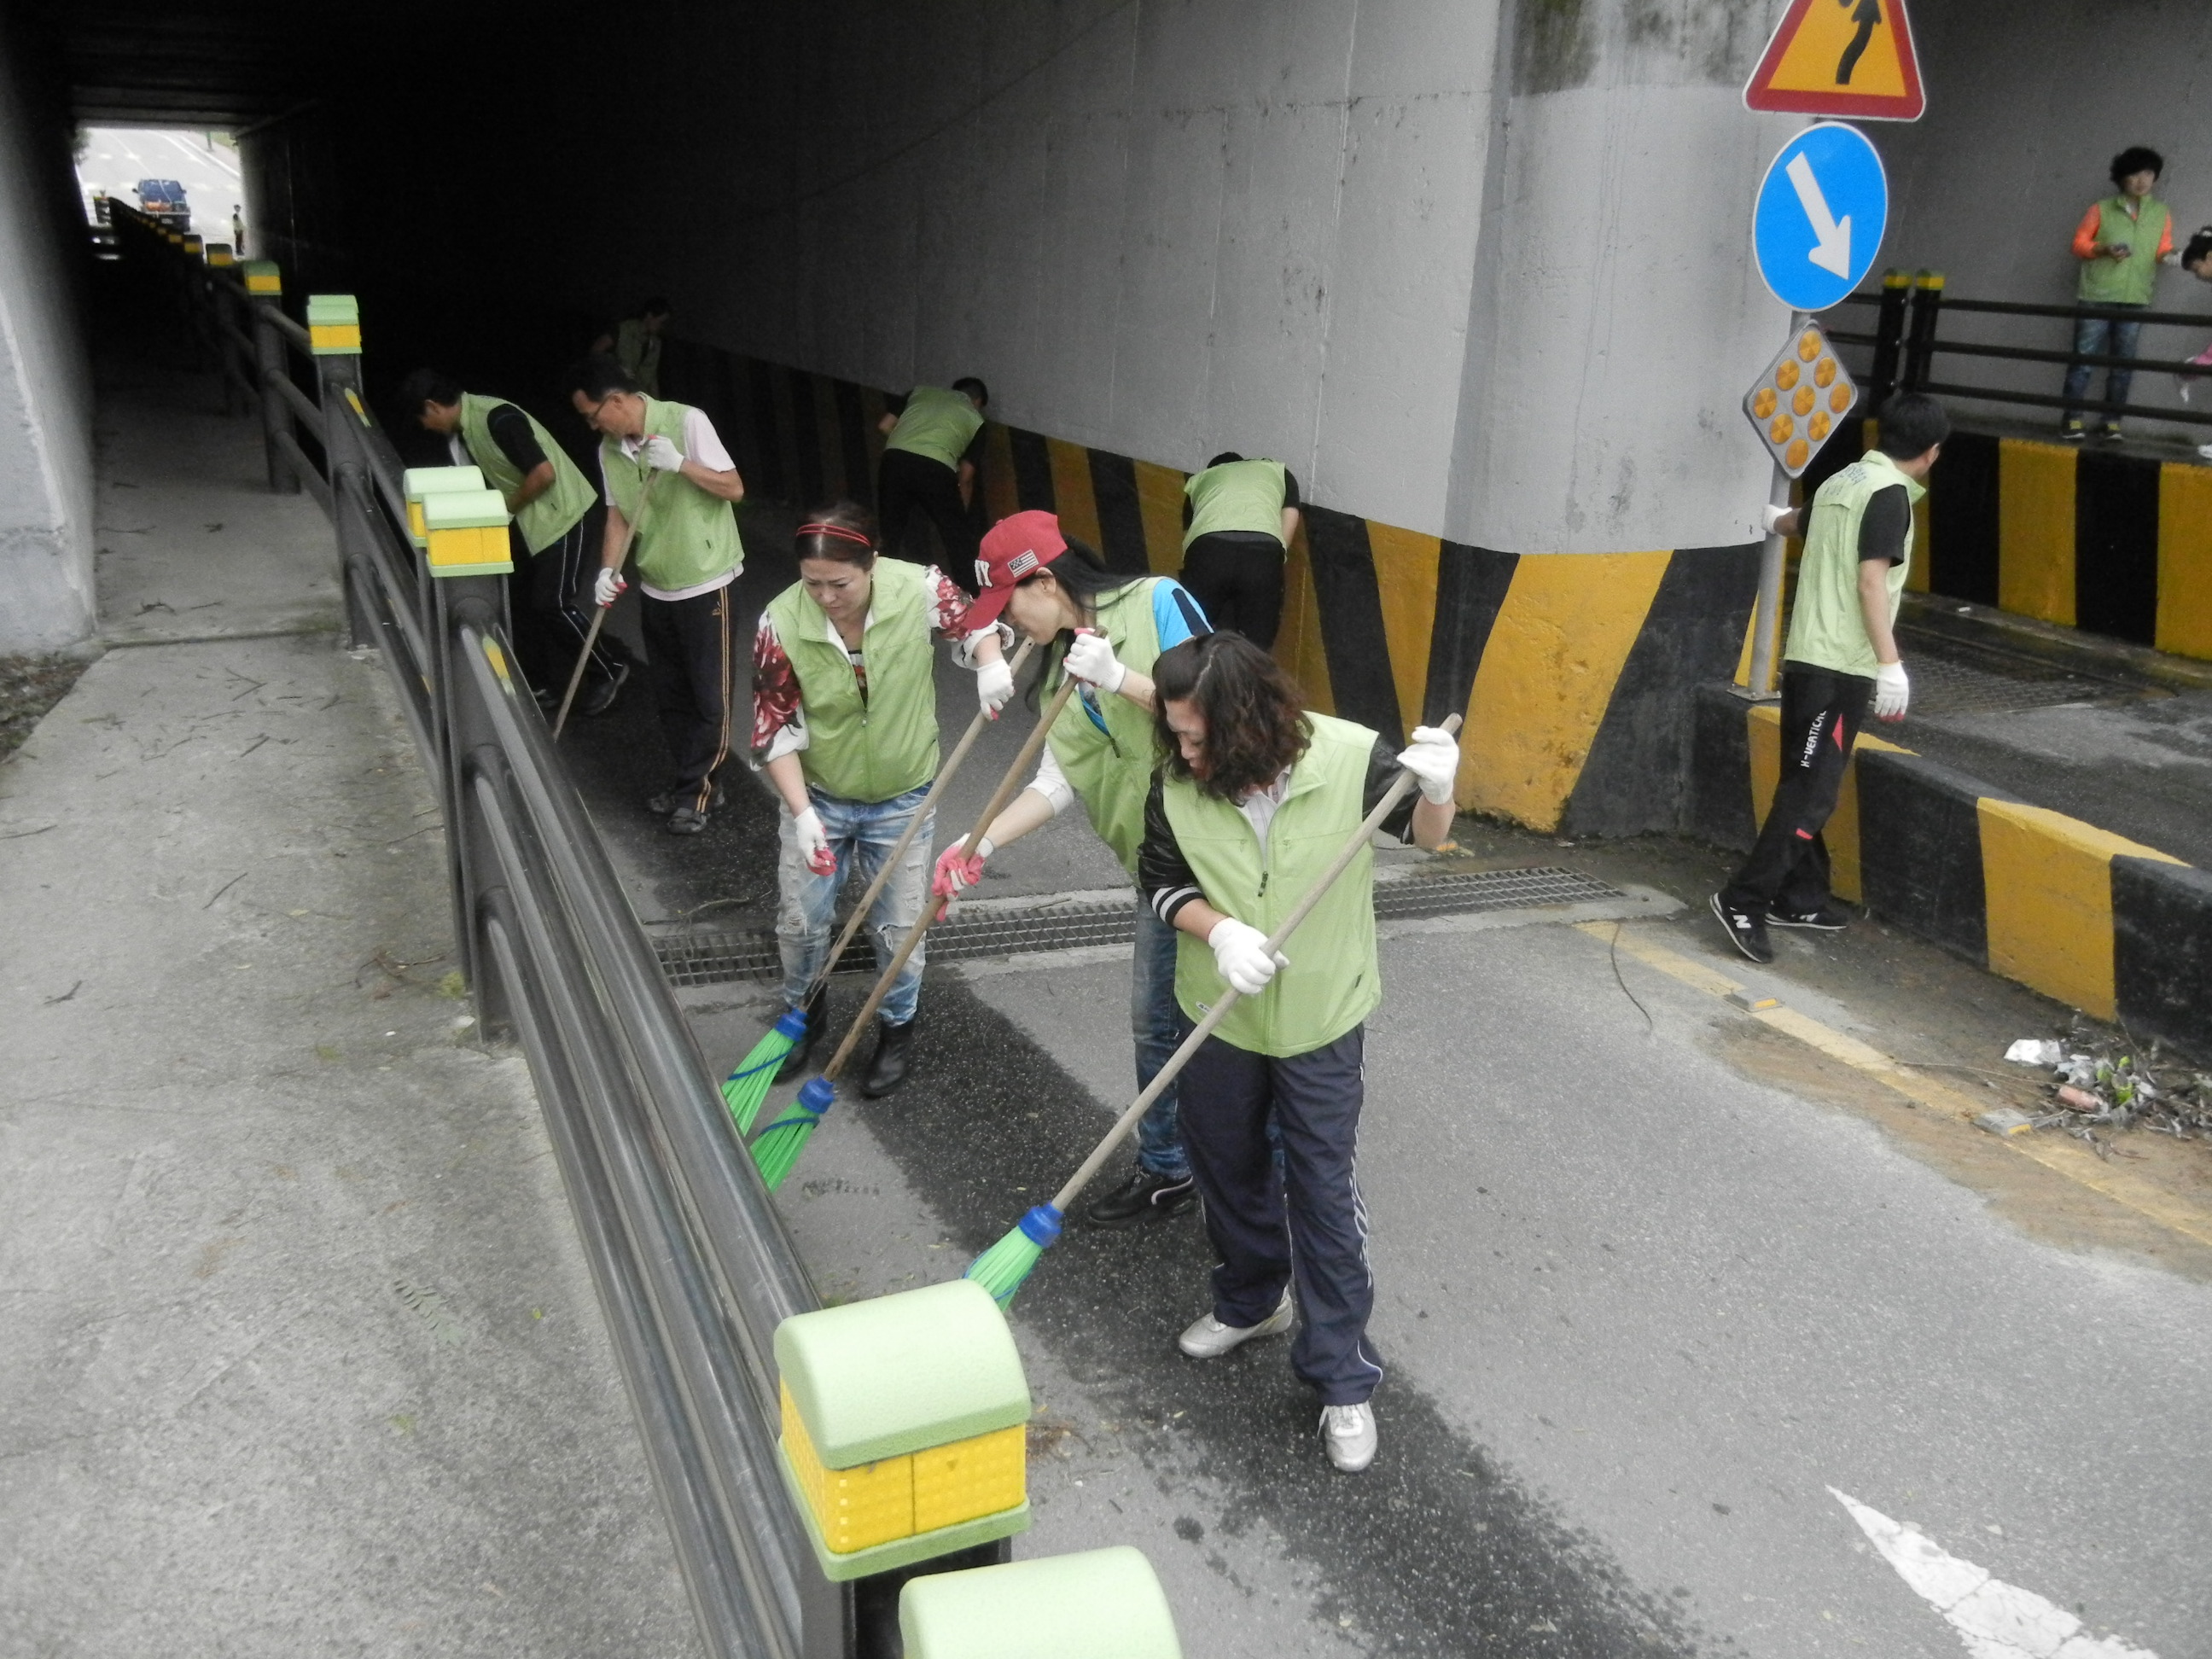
(188, 177)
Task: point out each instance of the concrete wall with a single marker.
(46, 528)
(1617, 316)
(2021, 126)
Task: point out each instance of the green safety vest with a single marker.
(1245, 495)
(937, 424)
(1333, 980)
(550, 516)
(1112, 770)
(684, 537)
(2131, 281)
(873, 748)
(1826, 628)
(639, 352)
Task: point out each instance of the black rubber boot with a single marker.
(894, 1059)
(817, 1015)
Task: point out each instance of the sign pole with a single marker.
(1766, 617)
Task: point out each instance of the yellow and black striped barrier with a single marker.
(2103, 924)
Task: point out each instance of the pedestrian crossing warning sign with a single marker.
(1842, 58)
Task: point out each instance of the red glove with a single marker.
(958, 870)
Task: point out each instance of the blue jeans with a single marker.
(2090, 335)
(861, 834)
(1159, 1027)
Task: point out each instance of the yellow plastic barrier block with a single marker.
(467, 533)
(262, 277)
(905, 1423)
(333, 324)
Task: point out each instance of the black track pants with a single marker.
(1821, 713)
(549, 625)
(906, 482)
(1316, 1241)
(689, 642)
(1238, 581)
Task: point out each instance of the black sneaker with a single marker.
(2072, 432)
(1143, 1197)
(668, 800)
(1826, 920)
(601, 697)
(1745, 931)
(2112, 435)
(686, 820)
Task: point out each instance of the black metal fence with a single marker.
(1907, 338)
(692, 1264)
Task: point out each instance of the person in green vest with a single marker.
(664, 472)
(1841, 656)
(1105, 629)
(637, 344)
(1239, 518)
(845, 727)
(1254, 799)
(551, 502)
(2121, 242)
(934, 441)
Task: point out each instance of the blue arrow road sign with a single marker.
(1822, 208)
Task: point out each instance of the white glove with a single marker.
(994, 686)
(609, 586)
(1772, 516)
(814, 843)
(1240, 956)
(1092, 658)
(661, 455)
(1892, 691)
(1433, 757)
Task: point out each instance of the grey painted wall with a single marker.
(2021, 123)
(46, 533)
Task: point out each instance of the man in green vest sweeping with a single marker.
(2121, 242)
(933, 438)
(1240, 517)
(551, 501)
(1841, 655)
(1253, 801)
(667, 474)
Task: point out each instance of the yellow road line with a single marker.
(2063, 1157)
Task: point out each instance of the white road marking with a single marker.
(1995, 1620)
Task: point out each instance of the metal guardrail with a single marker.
(1906, 340)
(690, 1260)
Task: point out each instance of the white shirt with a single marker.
(702, 444)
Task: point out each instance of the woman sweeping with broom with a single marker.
(1101, 750)
(845, 726)
(1254, 800)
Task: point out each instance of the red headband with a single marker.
(836, 530)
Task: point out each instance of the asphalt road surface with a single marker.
(117, 158)
(1655, 1297)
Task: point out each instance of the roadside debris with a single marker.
(2093, 1087)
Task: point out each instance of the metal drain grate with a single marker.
(700, 958)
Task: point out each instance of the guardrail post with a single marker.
(1920, 338)
(265, 293)
(334, 340)
(1888, 336)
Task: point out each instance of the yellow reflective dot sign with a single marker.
(1795, 404)
(1851, 58)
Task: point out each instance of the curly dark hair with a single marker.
(1256, 716)
(2136, 158)
(818, 537)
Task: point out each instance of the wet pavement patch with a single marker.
(1434, 1550)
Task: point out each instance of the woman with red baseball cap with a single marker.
(1104, 630)
(845, 726)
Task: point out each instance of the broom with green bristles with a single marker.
(746, 1088)
(781, 1142)
(1001, 1269)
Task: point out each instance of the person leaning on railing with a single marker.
(2121, 242)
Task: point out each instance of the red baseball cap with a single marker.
(1013, 549)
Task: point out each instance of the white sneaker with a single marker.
(1209, 1338)
(1349, 1433)
(2205, 450)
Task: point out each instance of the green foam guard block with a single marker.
(1101, 1604)
(419, 483)
(464, 509)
